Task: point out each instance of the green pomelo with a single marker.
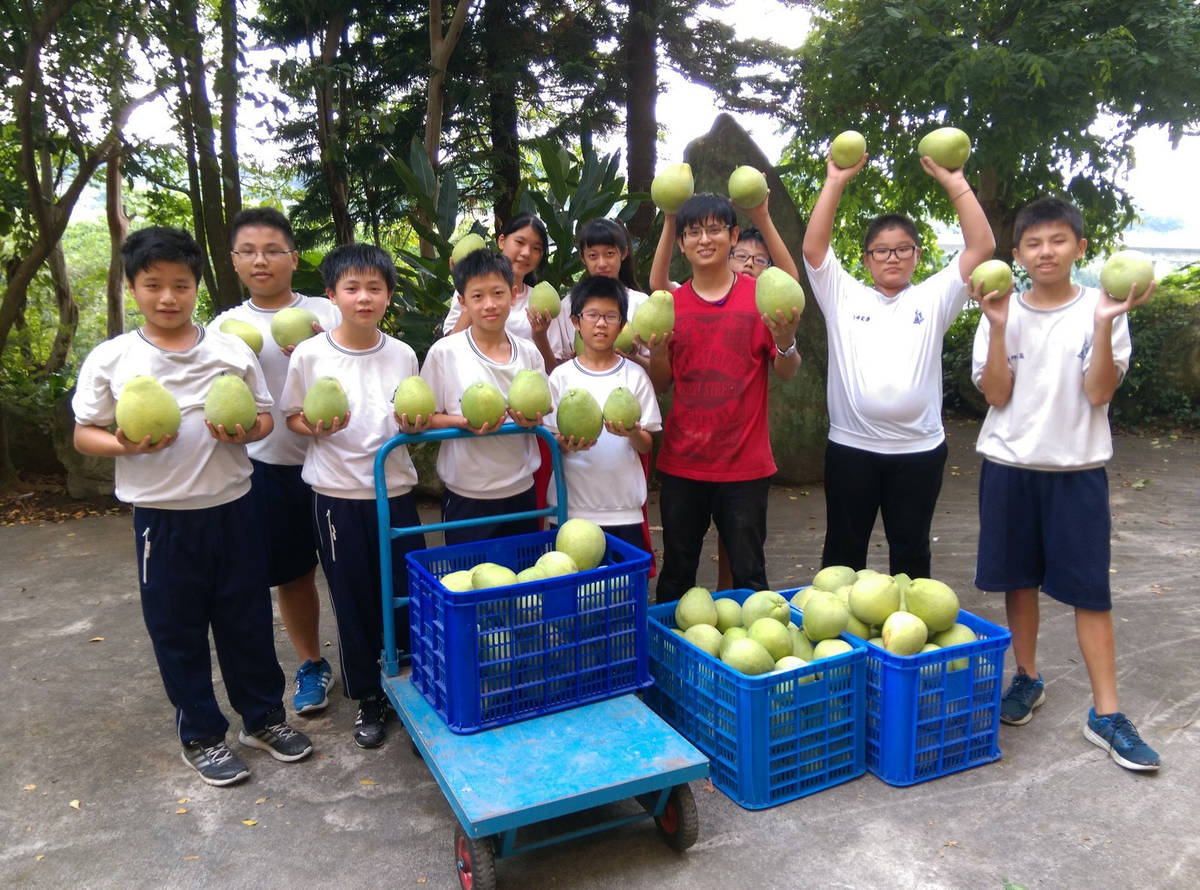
(832, 577)
(902, 581)
(489, 574)
(949, 147)
(829, 648)
(655, 317)
(862, 573)
(876, 641)
(734, 633)
(930, 647)
(824, 616)
(577, 343)
(145, 408)
(789, 663)
(545, 298)
(622, 407)
(670, 188)
(529, 394)
(992, 275)
(843, 593)
(583, 541)
(459, 581)
(677, 631)
(578, 415)
(802, 646)
(324, 401)
(414, 398)
(856, 628)
(955, 636)
(748, 657)
(777, 290)
(747, 187)
(533, 573)
(729, 613)
(706, 637)
(466, 245)
(696, 606)
(555, 563)
(765, 604)
(1124, 270)
(800, 597)
(904, 633)
(624, 341)
(245, 331)
(773, 637)
(292, 325)
(874, 598)
(847, 148)
(933, 602)
(229, 402)
(483, 403)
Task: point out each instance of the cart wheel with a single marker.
(679, 823)
(476, 862)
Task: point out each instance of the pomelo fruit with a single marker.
(856, 628)
(833, 577)
(696, 606)
(800, 597)
(904, 633)
(324, 401)
(772, 636)
(748, 657)
(555, 563)
(243, 330)
(729, 613)
(459, 581)
(533, 573)
(747, 187)
(146, 408)
(292, 325)
(874, 598)
(655, 317)
(583, 541)
(529, 394)
(933, 602)
(734, 633)
(1124, 270)
(848, 146)
(802, 646)
(624, 341)
(829, 648)
(992, 275)
(483, 403)
(544, 297)
(490, 574)
(579, 415)
(622, 407)
(774, 290)
(949, 147)
(955, 636)
(789, 663)
(765, 604)
(671, 187)
(229, 402)
(415, 398)
(706, 637)
(466, 245)
(824, 616)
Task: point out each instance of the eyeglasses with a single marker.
(592, 316)
(268, 255)
(693, 233)
(741, 256)
(883, 254)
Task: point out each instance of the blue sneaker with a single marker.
(312, 683)
(1117, 735)
(1023, 695)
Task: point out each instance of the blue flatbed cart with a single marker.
(501, 780)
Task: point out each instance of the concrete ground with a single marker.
(95, 794)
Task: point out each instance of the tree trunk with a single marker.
(118, 229)
(641, 92)
(329, 136)
(502, 108)
(226, 83)
(187, 131)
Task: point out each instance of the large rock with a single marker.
(799, 422)
(87, 476)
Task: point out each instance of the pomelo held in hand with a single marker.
(655, 317)
(324, 401)
(245, 331)
(145, 408)
(583, 541)
(847, 148)
(482, 403)
(578, 415)
(670, 188)
(229, 402)
(948, 146)
(992, 275)
(775, 289)
(414, 398)
(466, 245)
(747, 187)
(544, 297)
(622, 407)
(1124, 270)
(529, 394)
(292, 325)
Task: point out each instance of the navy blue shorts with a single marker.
(1048, 530)
(284, 504)
(456, 507)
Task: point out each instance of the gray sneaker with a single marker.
(279, 740)
(215, 763)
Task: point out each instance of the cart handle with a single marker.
(390, 657)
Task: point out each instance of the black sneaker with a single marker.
(370, 726)
(215, 763)
(279, 740)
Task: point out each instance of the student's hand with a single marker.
(522, 421)
(237, 436)
(834, 173)
(539, 320)
(953, 181)
(1108, 308)
(573, 443)
(411, 427)
(619, 429)
(656, 344)
(144, 446)
(485, 429)
(782, 328)
(320, 431)
(760, 215)
(994, 305)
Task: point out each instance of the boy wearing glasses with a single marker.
(887, 448)
(264, 256)
(715, 463)
(605, 480)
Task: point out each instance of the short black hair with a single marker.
(1048, 210)
(478, 264)
(358, 257)
(599, 288)
(154, 244)
(890, 221)
(261, 216)
(752, 234)
(603, 232)
(699, 209)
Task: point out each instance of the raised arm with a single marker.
(780, 255)
(819, 232)
(978, 240)
(660, 269)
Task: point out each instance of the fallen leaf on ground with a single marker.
(39, 857)
(250, 822)
(261, 800)
(181, 811)
(74, 804)
(367, 782)
(30, 788)
(96, 640)
(189, 858)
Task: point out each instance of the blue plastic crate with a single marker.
(930, 714)
(770, 738)
(485, 658)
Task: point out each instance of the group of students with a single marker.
(221, 515)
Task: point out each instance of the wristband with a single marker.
(965, 191)
(785, 353)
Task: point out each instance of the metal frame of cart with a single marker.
(591, 755)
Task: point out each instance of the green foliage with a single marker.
(956, 363)
(1164, 333)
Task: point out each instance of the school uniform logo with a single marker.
(918, 318)
(1087, 347)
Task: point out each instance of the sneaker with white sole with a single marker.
(1116, 734)
(215, 763)
(313, 680)
(1023, 695)
(279, 740)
